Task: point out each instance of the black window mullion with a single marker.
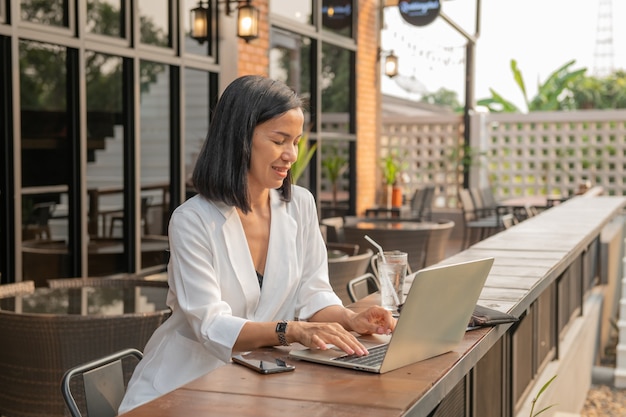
(7, 212)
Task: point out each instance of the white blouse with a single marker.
(213, 288)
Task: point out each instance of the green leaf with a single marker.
(305, 153)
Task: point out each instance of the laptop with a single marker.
(434, 318)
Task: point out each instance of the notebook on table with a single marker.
(433, 320)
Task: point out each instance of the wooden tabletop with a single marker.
(528, 257)
(314, 389)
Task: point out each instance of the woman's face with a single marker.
(274, 149)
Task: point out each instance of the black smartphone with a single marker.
(264, 366)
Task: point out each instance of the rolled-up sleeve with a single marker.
(315, 292)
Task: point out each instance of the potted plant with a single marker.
(305, 153)
(334, 165)
(392, 166)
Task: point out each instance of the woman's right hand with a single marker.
(318, 335)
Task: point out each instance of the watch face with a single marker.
(281, 327)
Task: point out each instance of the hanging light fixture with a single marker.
(200, 21)
(391, 65)
(247, 20)
(391, 62)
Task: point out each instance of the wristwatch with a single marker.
(281, 329)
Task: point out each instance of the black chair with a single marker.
(362, 286)
(421, 202)
(103, 383)
(36, 222)
(334, 229)
(475, 220)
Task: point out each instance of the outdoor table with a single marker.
(526, 280)
(393, 234)
(50, 330)
(387, 211)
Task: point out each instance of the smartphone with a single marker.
(264, 366)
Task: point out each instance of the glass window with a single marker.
(300, 11)
(105, 163)
(154, 20)
(336, 82)
(337, 16)
(106, 17)
(46, 161)
(43, 84)
(155, 160)
(290, 60)
(49, 12)
(196, 119)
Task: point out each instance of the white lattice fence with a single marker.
(545, 153)
(539, 153)
(432, 148)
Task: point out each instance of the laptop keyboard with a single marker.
(375, 357)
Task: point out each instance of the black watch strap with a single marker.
(281, 329)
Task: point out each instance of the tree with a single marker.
(551, 95)
(443, 97)
(600, 93)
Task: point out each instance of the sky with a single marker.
(541, 35)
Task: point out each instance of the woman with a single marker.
(246, 253)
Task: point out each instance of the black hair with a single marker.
(221, 171)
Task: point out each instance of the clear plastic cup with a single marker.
(392, 268)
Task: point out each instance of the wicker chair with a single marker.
(342, 270)
(411, 241)
(37, 349)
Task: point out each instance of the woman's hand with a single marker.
(374, 320)
(333, 324)
(318, 335)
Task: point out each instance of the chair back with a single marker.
(508, 220)
(16, 288)
(103, 385)
(334, 229)
(422, 201)
(488, 198)
(362, 286)
(417, 201)
(342, 270)
(467, 204)
(438, 241)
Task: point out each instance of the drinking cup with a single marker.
(392, 266)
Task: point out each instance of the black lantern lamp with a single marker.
(391, 65)
(391, 62)
(200, 21)
(247, 20)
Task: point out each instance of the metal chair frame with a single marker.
(103, 380)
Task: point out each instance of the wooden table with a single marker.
(525, 269)
(314, 389)
(412, 237)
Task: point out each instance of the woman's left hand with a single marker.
(374, 320)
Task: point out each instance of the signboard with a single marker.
(336, 14)
(419, 12)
